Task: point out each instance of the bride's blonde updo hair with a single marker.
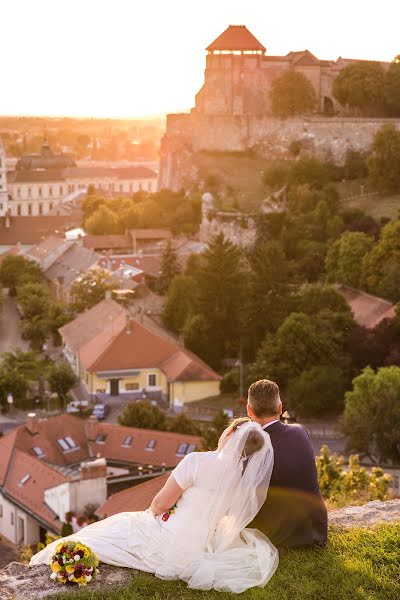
(255, 439)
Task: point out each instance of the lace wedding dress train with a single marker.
(204, 541)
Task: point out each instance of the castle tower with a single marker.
(232, 82)
(3, 182)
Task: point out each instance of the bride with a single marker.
(194, 529)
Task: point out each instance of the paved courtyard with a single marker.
(9, 326)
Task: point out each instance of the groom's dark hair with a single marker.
(264, 398)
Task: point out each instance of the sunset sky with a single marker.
(128, 58)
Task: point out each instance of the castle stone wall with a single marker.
(326, 138)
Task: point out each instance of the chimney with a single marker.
(92, 428)
(93, 469)
(32, 423)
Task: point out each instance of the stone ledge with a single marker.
(367, 514)
(20, 582)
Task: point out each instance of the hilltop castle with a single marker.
(232, 109)
(239, 75)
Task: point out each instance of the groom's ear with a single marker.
(280, 408)
(249, 411)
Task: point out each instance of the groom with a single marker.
(294, 513)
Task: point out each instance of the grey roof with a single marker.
(75, 261)
(119, 173)
(28, 176)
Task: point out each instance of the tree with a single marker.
(267, 300)
(310, 170)
(372, 413)
(276, 175)
(102, 221)
(361, 86)
(197, 337)
(169, 268)
(16, 270)
(90, 289)
(212, 433)
(302, 342)
(182, 424)
(381, 266)
(392, 86)
(61, 379)
(345, 256)
(384, 162)
(291, 94)
(34, 300)
(318, 391)
(313, 298)
(143, 416)
(220, 285)
(181, 302)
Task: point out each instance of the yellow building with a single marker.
(117, 355)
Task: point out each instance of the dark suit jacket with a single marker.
(294, 513)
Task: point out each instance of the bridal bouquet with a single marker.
(74, 562)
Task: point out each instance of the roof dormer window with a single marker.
(151, 444)
(182, 449)
(63, 445)
(70, 442)
(38, 451)
(101, 438)
(67, 444)
(127, 443)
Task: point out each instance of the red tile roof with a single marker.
(7, 444)
(99, 242)
(164, 451)
(236, 37)
(150, 234)
(141, 347)
(31, 230)
(48, 432)
(31, 493)
(17, 458)
(93, 322)
(133, 499)
(367, 310)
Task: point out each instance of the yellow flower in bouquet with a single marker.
(74, 562)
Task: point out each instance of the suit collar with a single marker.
(273, 426)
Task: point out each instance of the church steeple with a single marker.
(3, 182)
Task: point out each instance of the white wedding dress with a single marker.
(204, 541)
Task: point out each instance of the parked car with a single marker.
(100, 411)
(77, 405)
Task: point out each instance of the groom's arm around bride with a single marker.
(294, 513)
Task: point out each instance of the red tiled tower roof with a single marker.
(236, 37)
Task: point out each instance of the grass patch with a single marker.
(358, 564)
(376, 206)
(240, 176)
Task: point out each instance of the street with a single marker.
(9, 326)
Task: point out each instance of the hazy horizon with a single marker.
(106, 59)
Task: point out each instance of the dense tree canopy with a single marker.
(361, 86)
(17, 270)
(90, 289)
(392, 86)
(291, 94)
(143, 415)
(181, 302)
(345, 257)
(372, 414)
(384, 162)
(381, 266)
(169, 268)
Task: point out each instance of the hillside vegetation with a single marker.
(358, 564)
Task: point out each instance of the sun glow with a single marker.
(125, 58)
